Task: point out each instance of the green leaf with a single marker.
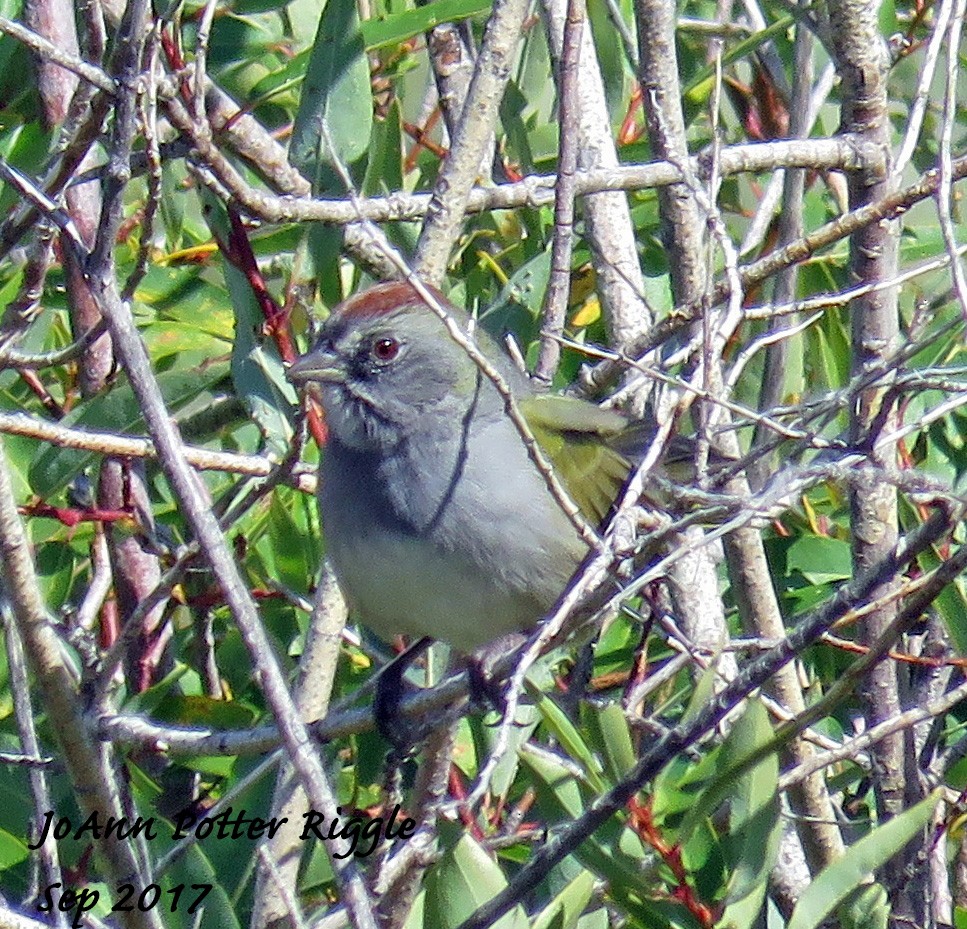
(615, 68)
(755, 818)
(867, 908)
(518, 307)
(611, 733)
(115, 410)
(292, 565)
(820, 559)
(56, 563)
(179, 310)
(466, 878)
(12, 850)
(615, 853)
(513, 111)
(485, 736)
(398, 27)
(743, 752)
(658, 293)
(951, 602)
(828, 352)
(23, 146)
(200, 710)
(260, 380)
(889, 22)
(256, 368)
(567, 734)
(566, 908)
(839, 880)
(218, 909)
(335, 115)
(281, 84)
(698, 89)
(384, 169)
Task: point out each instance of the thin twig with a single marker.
(107, 443)
(559, 283)
(47, 50)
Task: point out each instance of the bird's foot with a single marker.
(486, 691)
(487, 688)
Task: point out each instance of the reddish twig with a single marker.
(459, 792)
(925, 661)
(238, 251)
(421, 136)
(72, 517)
(643, 823)
(630, 130)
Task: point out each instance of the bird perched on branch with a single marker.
(437, 519)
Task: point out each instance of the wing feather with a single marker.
(575, 435)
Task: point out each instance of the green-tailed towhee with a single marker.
(437, 520)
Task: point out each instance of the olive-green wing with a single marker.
(576, 437)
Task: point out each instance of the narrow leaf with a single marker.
(840, 879)
(335, 114)
(465, 879)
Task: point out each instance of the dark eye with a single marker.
(385, 349)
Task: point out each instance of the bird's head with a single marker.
(386, 367)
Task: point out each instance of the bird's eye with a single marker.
(385, 349)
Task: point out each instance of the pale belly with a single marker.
(404, 586)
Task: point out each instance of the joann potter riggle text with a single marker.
(362, 834)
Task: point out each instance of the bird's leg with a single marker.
(390, 687)
(579, 679)
(486, 689)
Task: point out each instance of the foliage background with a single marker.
(178, 213)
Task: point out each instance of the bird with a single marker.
(437, 520)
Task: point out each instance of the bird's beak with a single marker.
(319, 365)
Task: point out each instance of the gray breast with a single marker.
(466, 550)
